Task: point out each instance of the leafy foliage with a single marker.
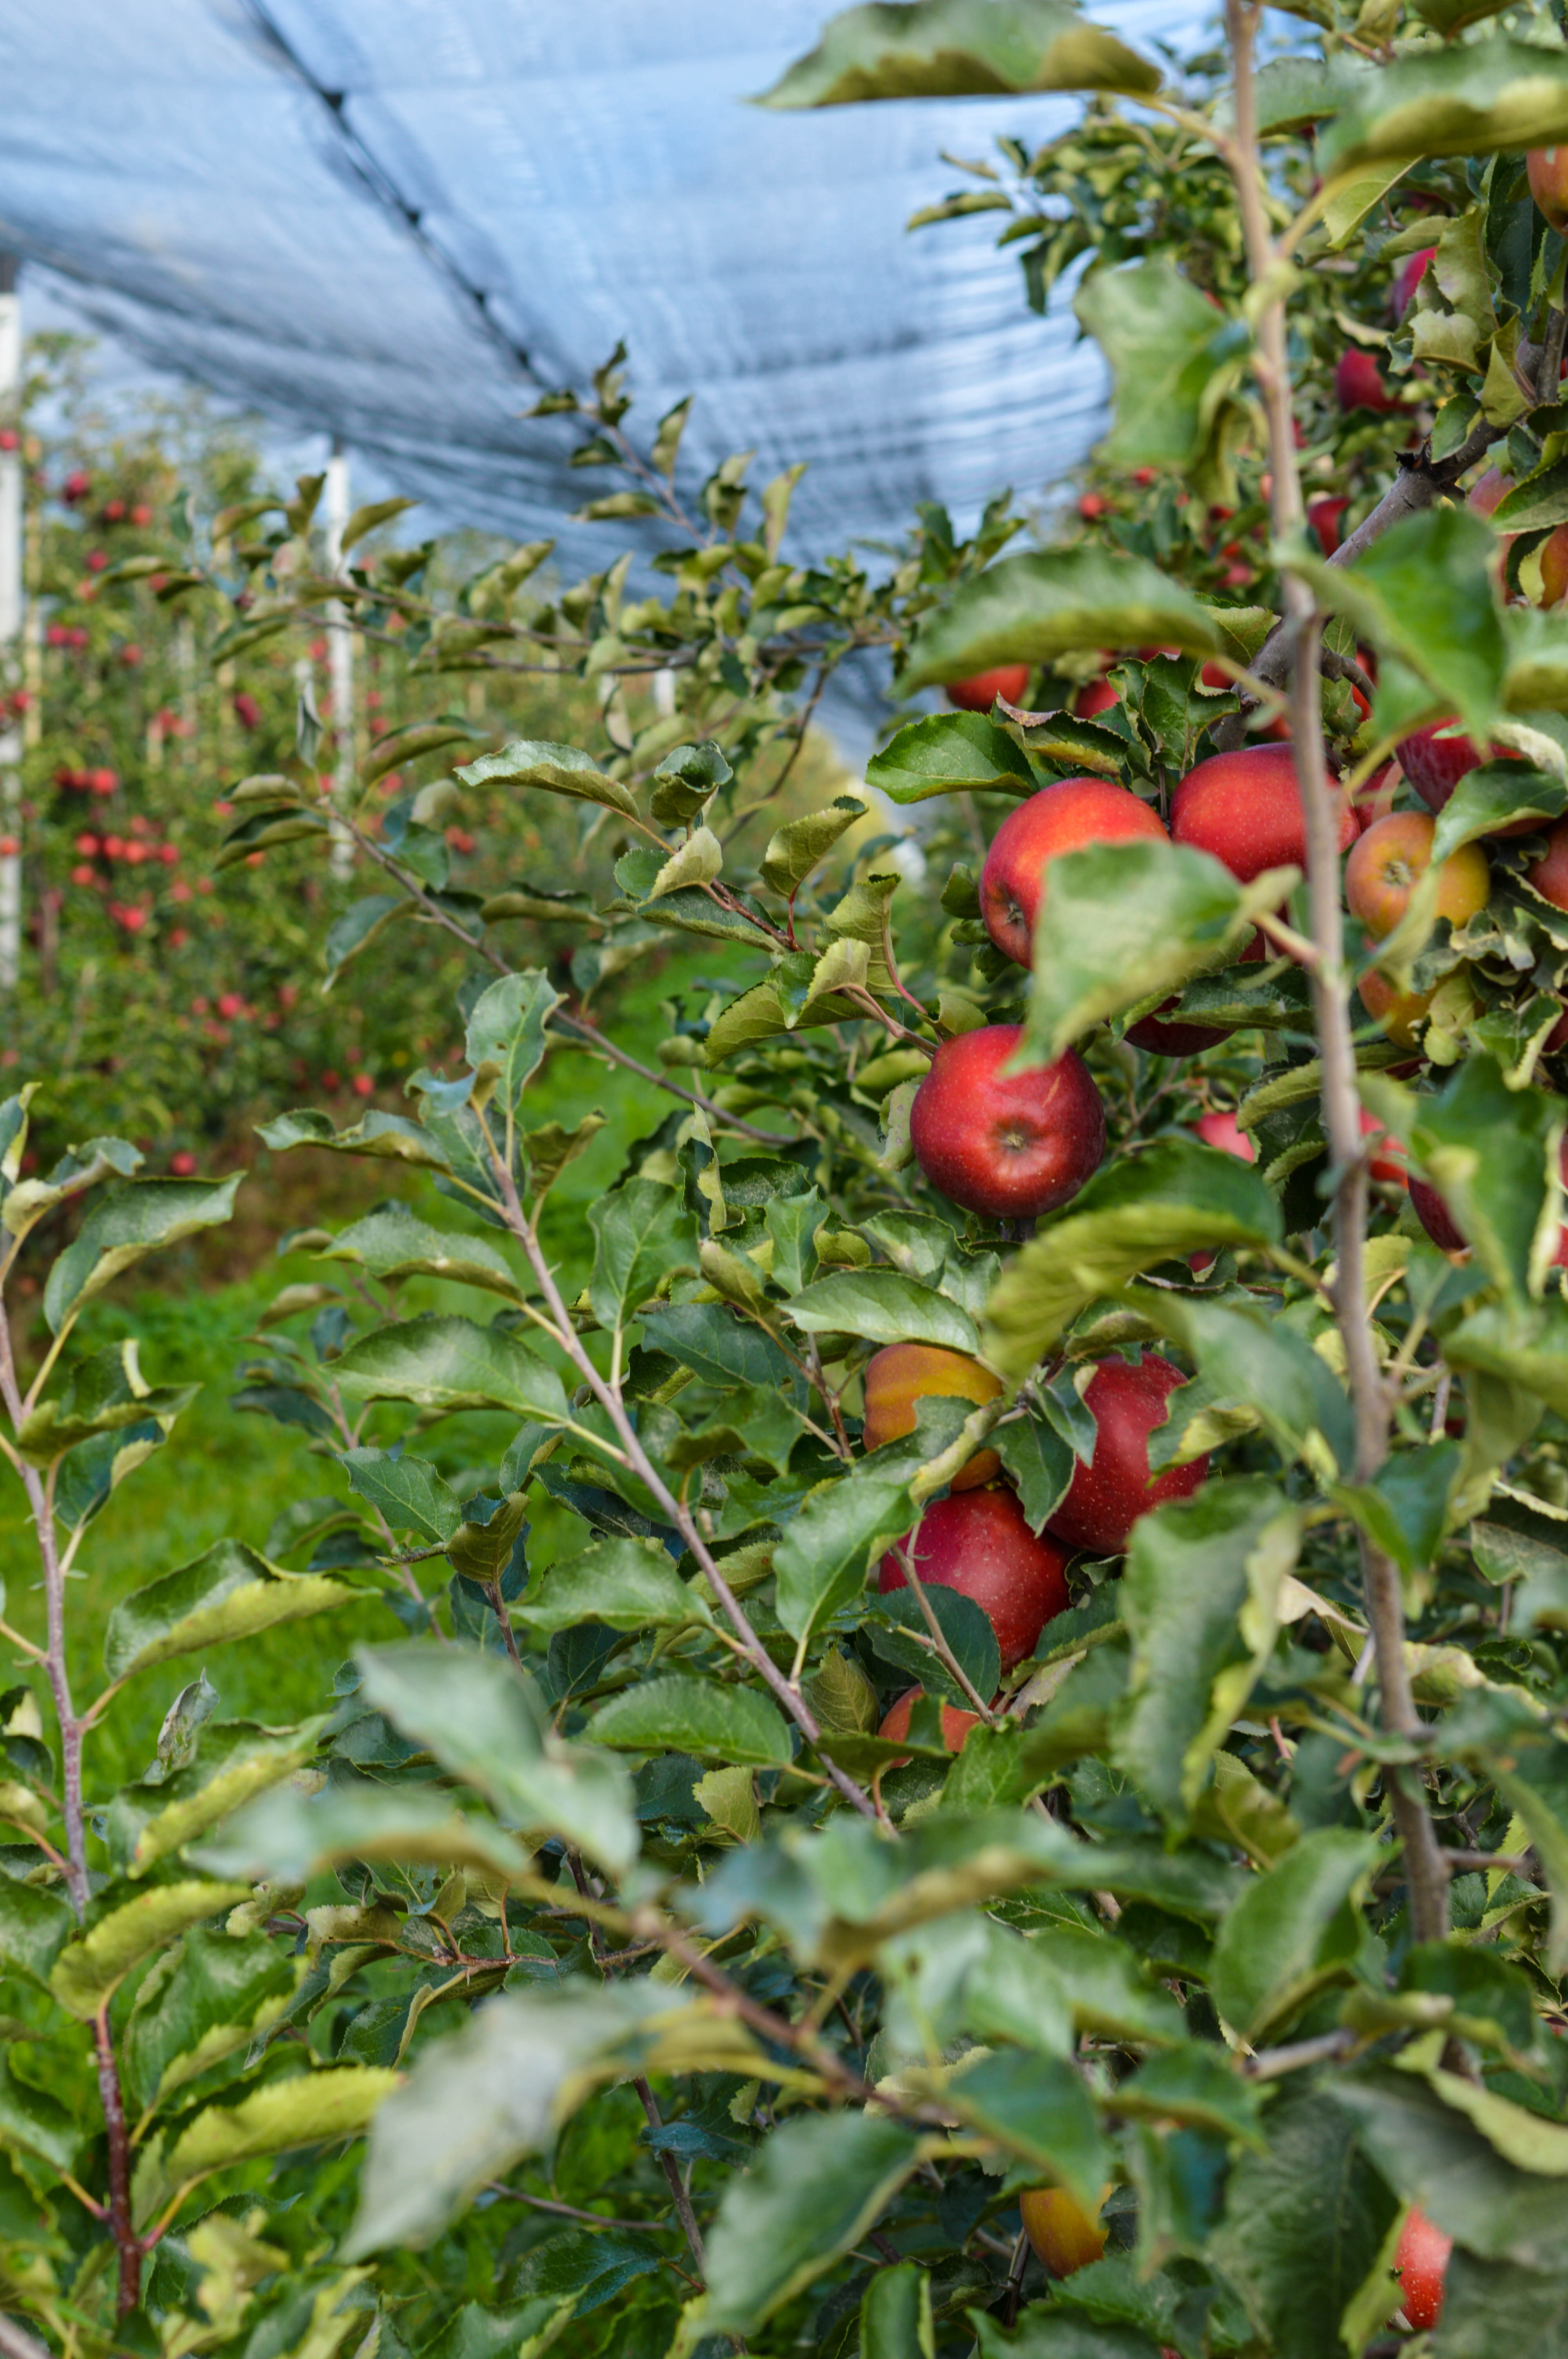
(717, 1917)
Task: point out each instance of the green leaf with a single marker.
(1404, 1507)
(506, 1032)
(1038, 2110)
(1432, 2156)
(1122, 922)
(1492, 2306)
(1175, 1197)
(643, 1235)
(948, 753)
(120, 1933)
(1176, 362)
(482, 1722)
(900, 1634)
(390, 1137)
(689, 775)
(1040, 1463)
(1423, 596)
(1197, 2085)
(885, 1308)
(558, 770)
(1475, 97)
(229, 1592)
(1200, 1594)
(1488, 1150)
(820, 1563)
(1061, 602)
(393, 1242)
(288, 1835)
(816, 2186)
(104, 1393)
(948, 48)
(625, 1584)
(451, 1363)
(408, 1492)
(311, 2108)
(1290, 1931)
(895, 2314)
(796, 847)
(1494, 797)
(36, 1922)
(362, 923)
(674, 1714)
(1525, 1350)
(36, 2122)
(476, 2103)
(214, 1993)
(129, 1223)
(1303, 2226)
(717, 1346)
(88, 1475)
(234, 1760)
(1246, 1357)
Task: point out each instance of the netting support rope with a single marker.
(379, 181)
(11, 529)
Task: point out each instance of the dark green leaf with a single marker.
(409, 1492)
(821, 1561)
(1303, 2226)
(642, 1233)
(818, 2185)
(558, 770)
(1038, 2110)
(1176, 361)
(885, 1308)
(900, 1634)
(950, 753)
(947, 48)
(1032, 609)
(1433, 2156)
(672, 1714)
(393, 1242)
(126, 1225)
(451, 1363)
(1470, 99)
(229, 1592)
(628, 1584)
(1290, 1931)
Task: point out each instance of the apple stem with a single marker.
(1300, 646)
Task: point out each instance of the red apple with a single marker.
(896, 1378)
(1435, 1217)
(1435, 759)
(1421, 2264)
(1220, 1128)
(1326, 518)
(1402, 292)
(1358, 384)
(1389, 861)
(1062, 818)
(1548, 171)
(979, 1543)
(1246, 808)
(1097, 697)
(1104, 1498)
(1009, 1146)
(956, 1724)
(1488, 491)
(980, 693)
(1387, 1160)
(1397, 1013)
(1158, 1039)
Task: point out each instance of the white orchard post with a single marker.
(341, 660)
(11, 529)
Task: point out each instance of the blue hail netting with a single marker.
(398, 220)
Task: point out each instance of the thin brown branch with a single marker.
(571, 2211)
(122, 2226)
(1299, 640)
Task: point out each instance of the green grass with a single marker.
(227, 1473)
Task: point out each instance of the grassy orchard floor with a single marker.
(225, 1472)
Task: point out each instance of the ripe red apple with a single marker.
(979, 1543)
(980, 690)
(1220, 1128)
(1062, 818)
(956, 1724)
(1104, 1498)
(1158, 1039)
(1548, 171)
(1099, 696)
(1387, 1161)
(1435, 759)
(1246, 808)
(906, 1373)
(1064, 2236)
(1441, 1228)
(1402, 292)
(1009, 1146)
(1549, 875)
(1358, 383)
(1421, 2265)
(1390, 860)
(1397, 1013)
(1326, 518)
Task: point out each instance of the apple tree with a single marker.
(959, 1742)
